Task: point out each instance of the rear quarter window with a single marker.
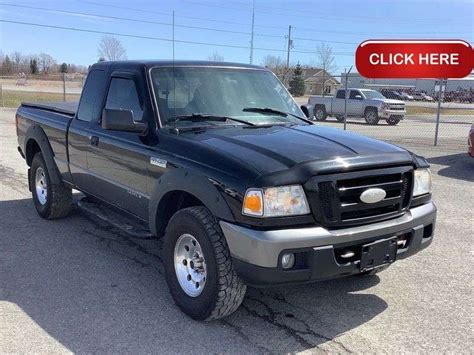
(92, 95)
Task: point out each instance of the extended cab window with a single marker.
(340, 94)
(123, 95)
(90, 105)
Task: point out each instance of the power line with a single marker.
(326, 17)
(158, 38)
(74, 13)
(257, 25)
(121, 34)
(123, 18)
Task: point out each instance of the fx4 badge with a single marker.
(158, 162)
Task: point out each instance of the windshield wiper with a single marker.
(203, 117)
(273, 111)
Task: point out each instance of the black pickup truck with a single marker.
(219, 161)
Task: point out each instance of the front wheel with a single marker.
(340, 119)
(392, 121)
(371, 116)
(198, 266)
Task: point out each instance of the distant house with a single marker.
(313, 82)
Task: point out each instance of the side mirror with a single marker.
(121, 120)
(305, 110)
(358, 97)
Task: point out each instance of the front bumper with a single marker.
(389, 113)
(257, 254)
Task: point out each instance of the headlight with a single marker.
(275, 202)
(422, 182)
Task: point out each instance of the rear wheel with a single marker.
(51, 200)
(371, 116)
(340, 119)
(320, 113)
(393, 121)
(198, 266)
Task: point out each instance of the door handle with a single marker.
(94, 140)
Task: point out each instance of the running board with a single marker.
(129, 225)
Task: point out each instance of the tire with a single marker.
(340, 119)
(393, 121)
(371, 116)
(214, 290)
(51, 201)
(320, 113)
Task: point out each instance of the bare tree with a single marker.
(46, 63)
(278, 66)
(110, 48)
(216, 57)
(325, 61)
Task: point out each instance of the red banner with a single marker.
(421, 59)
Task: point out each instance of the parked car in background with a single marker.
(366, 103)
(470, 142)
(391, 94)
(421, 96)
(406, 97)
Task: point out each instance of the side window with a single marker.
(90, 105)
(340, 94)
(123, 95)
(354, 93)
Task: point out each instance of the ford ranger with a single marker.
(219, 161)
(366, 103)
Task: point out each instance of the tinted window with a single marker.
(340, 94)
(123, 95)
(353, 94)
(221, 91)
(90, 105)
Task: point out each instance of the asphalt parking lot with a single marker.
(75, 285)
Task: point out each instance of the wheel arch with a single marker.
(179, 189)
(37, 141)
(370, 108)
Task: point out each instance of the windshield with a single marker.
(373, 94)
(183, 91)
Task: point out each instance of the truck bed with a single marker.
(65, 108)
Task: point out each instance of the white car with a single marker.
(407, 96)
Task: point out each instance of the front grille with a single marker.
(397, 107)
(335, 199)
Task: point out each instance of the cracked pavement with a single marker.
(80, 285)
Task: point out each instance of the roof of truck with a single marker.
(168, 63)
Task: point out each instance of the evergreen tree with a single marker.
(63, 68)
(297, 82)
(33, 66)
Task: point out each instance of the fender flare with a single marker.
(201, 187)
(37, 134)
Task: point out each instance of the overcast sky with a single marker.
(344, 24)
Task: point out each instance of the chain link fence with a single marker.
(52, 87)
(438, 112)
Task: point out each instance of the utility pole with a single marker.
(173, 36)
(346, 95)
(251, 36)
(289, 47)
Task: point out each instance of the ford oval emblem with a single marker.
(373, 195)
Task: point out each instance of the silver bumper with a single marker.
(262, 248)
(387, 113)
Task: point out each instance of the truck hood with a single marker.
(277, 148)
(391, 101)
